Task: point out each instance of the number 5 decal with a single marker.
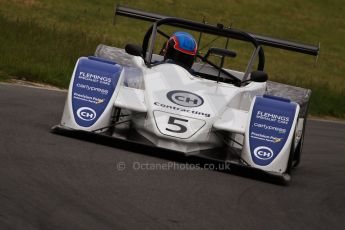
(179, 128)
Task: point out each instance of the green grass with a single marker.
(42, 54)
(41, 40)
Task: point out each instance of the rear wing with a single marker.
(262, 40)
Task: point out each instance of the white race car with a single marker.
(140, 100)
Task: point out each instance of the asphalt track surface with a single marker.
(49, 181)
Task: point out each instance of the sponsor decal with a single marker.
(83, 97)
(266, 138)
(270, 126)
(182, 109)
(86, 113)
(263, 152)
(185, 99)
(94, 83)
(92, 88)
(272, 117)
(91, 77)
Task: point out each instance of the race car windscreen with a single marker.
(243, 50)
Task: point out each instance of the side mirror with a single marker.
(134, 50)
(220, 52)
(258, 76)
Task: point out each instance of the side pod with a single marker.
(270, 132)
(91, 95)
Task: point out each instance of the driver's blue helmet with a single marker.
(181, 48)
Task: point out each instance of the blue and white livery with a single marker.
(136, 96)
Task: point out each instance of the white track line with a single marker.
(33, 85)
(327, 121)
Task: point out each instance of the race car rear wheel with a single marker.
(298, 151)
(291, 157)
(295, 154)
(304, 115)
